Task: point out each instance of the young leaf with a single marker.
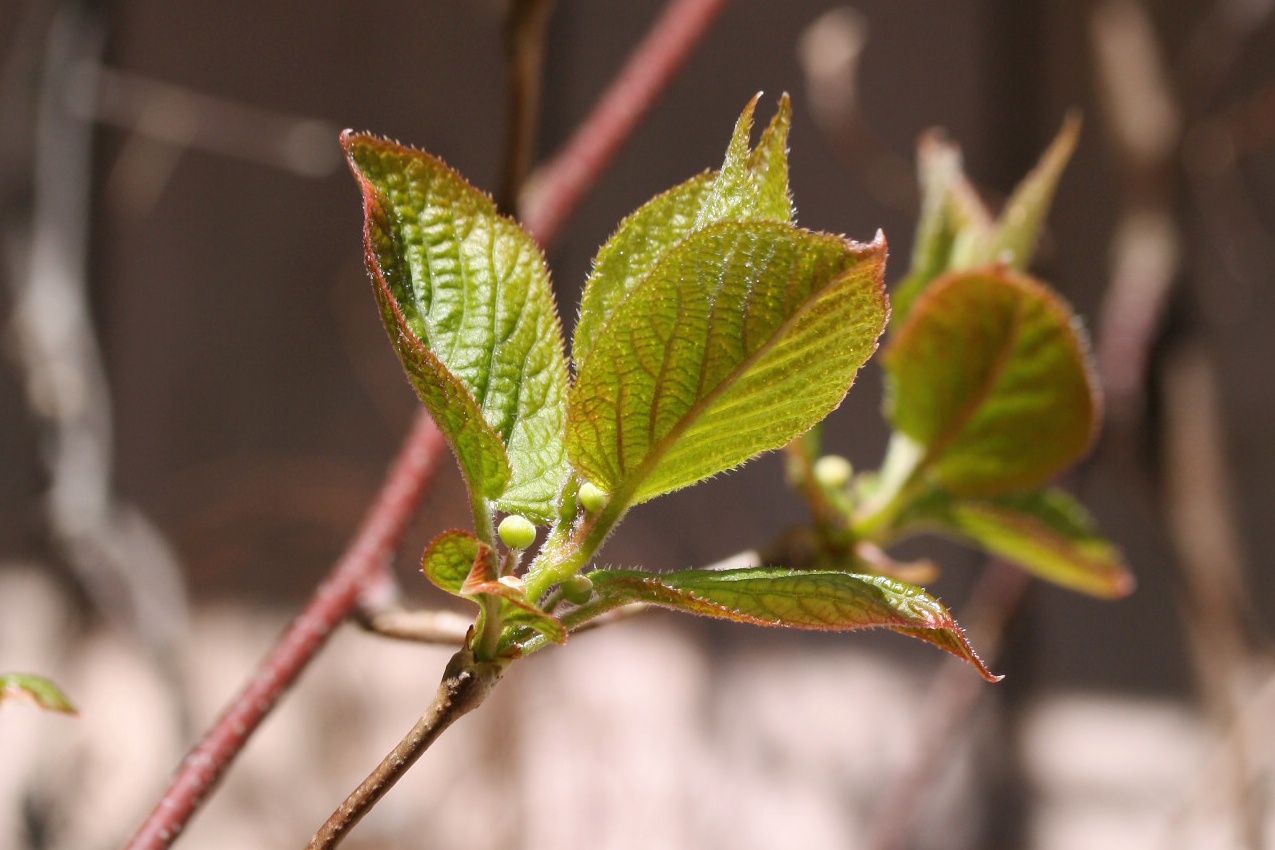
(461, 564)
(1046, 532)
(1017, 230)
(466, 300)
(990, 376)
(745, 335)
(751, 186)
(948, 206)
(37, 689)
(804, 599)
(450, 557)
(956, 231)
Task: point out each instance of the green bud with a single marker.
(592, 497)
(833, 471)
(518, 532)
(577, 589)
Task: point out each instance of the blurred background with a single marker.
(197, 403)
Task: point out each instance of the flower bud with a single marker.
(517, 532)
(577, 589)
(592, 497)
(833, 471)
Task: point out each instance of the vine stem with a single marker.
(554, 190)
(331, 603)
(466, 683)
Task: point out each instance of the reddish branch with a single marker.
(332, 602)
(555, 190)
(562, 184)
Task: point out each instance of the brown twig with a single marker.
(555, 189)
(466, 683)
(524, 50)
(331, 603)
(437, 627)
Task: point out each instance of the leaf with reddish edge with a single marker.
(1046, 532)
(723, 352)
(825, 600)
(461, 564)
(465, 297)
(991, 377)
(450, 557)
(36, 689)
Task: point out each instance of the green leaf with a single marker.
(461, 564)
(1046, 532)
(943, 184)
(450, 557)
(956, 231)
(991, 377)
(745, 335)
(37, 689)
(466, 300)
(805, 599)
(751, 185)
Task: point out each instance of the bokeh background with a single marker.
(197, 403)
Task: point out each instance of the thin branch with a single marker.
(331, 603)
(524, 49)
(995, 599)
(466, 683)
(555, 189)
(437, 627)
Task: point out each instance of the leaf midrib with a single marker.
(966, 413)
(644, 469)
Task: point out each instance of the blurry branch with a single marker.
(1149, 124)
(363, 565)
(185, 118)
(1200, 515)
(555, 188)
(123, 561)
(163, 121)
(955, 696)
(829, 52)
(1218, 40)
(1145, 125)
(524, 60)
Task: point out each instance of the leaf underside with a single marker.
(991, 377)
(1046, 532)
(465, 297)
(745, 335)
(803, 599)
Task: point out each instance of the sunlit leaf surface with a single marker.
(803, 599)
(466, 299)
(742, 337)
